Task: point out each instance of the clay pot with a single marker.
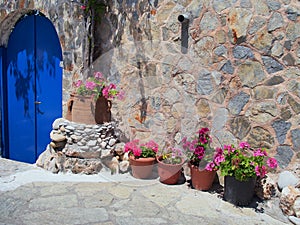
(169, 173)
(84, 109)
(141, 168)
(201, 179)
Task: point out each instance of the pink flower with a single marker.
(112, 86)
(152, 145)
(90, 85)
(244, 145)
(259, 152)
(229, 148)
(137, 151)
(129, 146)
(260, 171)
(105, 92)
(83, 7)
(78, 83)
(203, 131)
(98, 75)
(203, 140)
(121, 95)
(210, 166)
(219, 158)
(272, 163)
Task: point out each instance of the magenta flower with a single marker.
(97, 86)
(78, 83)
(203, 131)
(219, 158)
(229, 148)
(259, 152)
(260, 171)
(244, 145)
(210, 166)
(272, 163)
(152, 145)
(105, 92)
(90, 85)
(137, 151)
(83, 7)
(98, 75)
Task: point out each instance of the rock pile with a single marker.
(81, 148)
(289, 184)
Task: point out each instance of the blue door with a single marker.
(32, 88)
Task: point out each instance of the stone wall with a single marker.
(239, 75)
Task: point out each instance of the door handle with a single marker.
(37, 102)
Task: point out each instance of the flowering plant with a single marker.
(145, 150)
(97, 86)
(243, 162)
(198, 150)
(171, 155)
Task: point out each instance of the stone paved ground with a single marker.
(29, 195)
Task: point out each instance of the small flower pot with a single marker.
(201, 179)
(169, 173)
(141, 168)
(239, 193)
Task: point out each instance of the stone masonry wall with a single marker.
(239, 75)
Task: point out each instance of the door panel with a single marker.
(20, 92)
(34, 87)
(48, 80)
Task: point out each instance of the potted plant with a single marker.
(141, 157)
(170, 163)
(201, 157)
(91, 102)
(241, 166)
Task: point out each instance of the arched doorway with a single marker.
(31, 85)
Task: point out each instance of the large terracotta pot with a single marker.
(169, 173)
(201, 179)
(83, 109)
(237, 192)
(141, 168)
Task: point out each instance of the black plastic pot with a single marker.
(239, 193)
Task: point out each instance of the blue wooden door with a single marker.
(33, 81)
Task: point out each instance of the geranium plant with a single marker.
(97, 86)
(171, 155)
(198, 150)
(243, 162)
(137, 150)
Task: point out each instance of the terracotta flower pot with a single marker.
(201, 179)
(84, 109)
(237, 192)
(141, 168)
(169, 173)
